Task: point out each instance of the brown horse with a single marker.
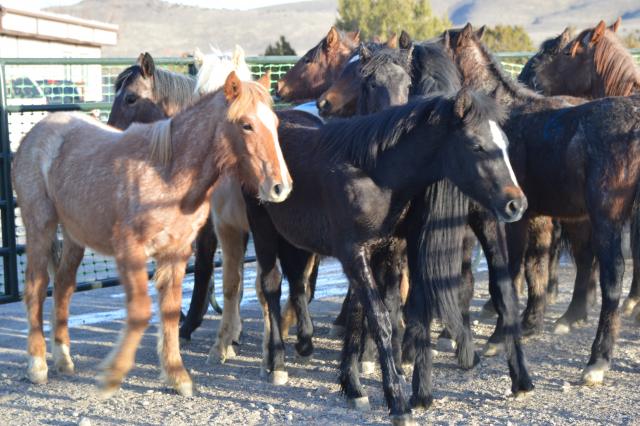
(319, 67)
(593, 65)
(135, 194)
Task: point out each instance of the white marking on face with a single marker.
(354, 59)
(498, 139)
(267, 117)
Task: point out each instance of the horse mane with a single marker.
(160, 141)
(215, 68)
(251, 94)
(433, 71)
(175, 88)
(615, 65)
(360, 140)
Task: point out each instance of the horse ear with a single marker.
(365, 53)
(238, 56)
(565, 36)
(146, 63)
(466, 33)
(405, 41)
(598, 33)
(462, 103)
(480, 32)
(392, 42)
(198, 56)
(614, 27)
(355, 37)
(265, 80)
(332, 39)
(232, 87)
(446, 39)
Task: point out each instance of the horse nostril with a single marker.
(277, 189)
(321, 104)
(513, 208)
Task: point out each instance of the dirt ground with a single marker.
(234, 393)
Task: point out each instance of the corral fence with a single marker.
(32, 88)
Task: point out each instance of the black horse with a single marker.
(351, 198)
(573, 162)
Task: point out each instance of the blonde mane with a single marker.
(216, 66)
(251, 94)
(160, 141)
(615, 65)
(177, 90)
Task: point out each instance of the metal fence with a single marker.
(31, 88)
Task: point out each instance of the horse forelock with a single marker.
(615, 65)
(386, 57)
(251, 95)
(124, 78)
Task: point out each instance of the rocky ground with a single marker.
(235, 394)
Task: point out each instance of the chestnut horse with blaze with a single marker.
(133, 195)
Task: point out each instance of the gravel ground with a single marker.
(234, 393)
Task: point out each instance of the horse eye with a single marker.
(130, 98)
(247, 127)
(478, 148)
(307, 60)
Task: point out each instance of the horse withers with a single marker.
(133, 195)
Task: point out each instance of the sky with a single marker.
(215, 4)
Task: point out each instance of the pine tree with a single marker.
(281, 48)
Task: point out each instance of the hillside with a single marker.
(168, 29)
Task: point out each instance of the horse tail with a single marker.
(441, 252)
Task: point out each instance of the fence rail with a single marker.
(30, 88)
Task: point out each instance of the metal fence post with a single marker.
(7, 205)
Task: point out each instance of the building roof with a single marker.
(55, 27)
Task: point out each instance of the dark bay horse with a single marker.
(350, 202)
(446, 218)
(133, 195)
(319, 67)
(573, 162)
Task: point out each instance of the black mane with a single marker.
(433, 71)
(386, 56)
(361, 140)
(126, 75)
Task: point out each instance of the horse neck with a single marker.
(199, 149)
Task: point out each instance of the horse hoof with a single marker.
(446, 345)
(37, 370)
(337, 331)
(304, 359)
(184, 389)
(561, 328)
(278, 377)
(421, 403)
(220, 356)
(360, 404)
(593, 375)
(628, 306)
(367, 367)
(493, 349)
(62, 359)
(521, 394)
(403, 420)
(107, 391)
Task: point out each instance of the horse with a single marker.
(136, 194)
(573, 162)
(341, 98)
(319, 67)
(355, 201)
(549, 49)
(440, 214)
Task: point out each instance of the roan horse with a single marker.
(572, 162)
(134, 194)
(594, 64)
(355, 202)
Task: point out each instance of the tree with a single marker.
(632, 40)
(383, 17)
(508, 38)
(281, 48)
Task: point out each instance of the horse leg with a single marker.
(633, 300)
(297, 265)
(233, 248)
(63, 288)
(41, 229)
(338, 327)
(170, 272)
(607, 239)
(537, 273)
(309, 277)
(356, 266)
(579, 234)
(555, 250)
(354, 335)
(206, 243)
(132, 268)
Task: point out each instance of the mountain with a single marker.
(167, 29)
